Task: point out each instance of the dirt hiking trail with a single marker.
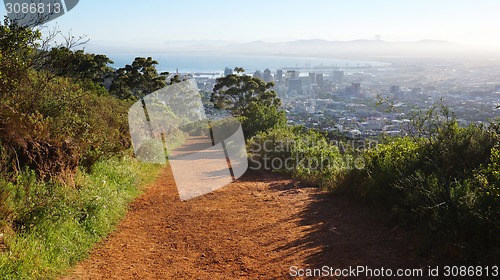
(255, 228)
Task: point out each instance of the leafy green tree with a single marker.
(62, 61)
(250, 99)
(138, 80)
(18, 47)
(236, 92)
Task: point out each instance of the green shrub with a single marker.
(258, 118)
(54, 126)
(383, 166)
(56, 224)
(444, 185)
(306, 154)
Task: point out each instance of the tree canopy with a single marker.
(138, 80)
(236, 92)
(62, 61)
(17, 49)
(250, 99)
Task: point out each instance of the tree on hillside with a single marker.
(62, 61)
(18, 47)
(138, 80)
(235, 92)
(24, 51)
(250, 99)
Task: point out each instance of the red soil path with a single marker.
(255, 228)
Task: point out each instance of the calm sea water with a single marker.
(215, 63)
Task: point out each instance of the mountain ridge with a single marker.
(352, 49)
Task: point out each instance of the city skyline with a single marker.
(148, 22)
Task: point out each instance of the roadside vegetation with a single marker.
(444, 186)
(53, 225)
(66, 170)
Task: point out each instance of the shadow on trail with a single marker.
(339, 234)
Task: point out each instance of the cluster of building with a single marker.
(348, 101)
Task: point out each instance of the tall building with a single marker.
(295, 85)
(228, 71)
(267, 76)
(292, 74)
(319, 79)
(258, 75)
(279, 76)
(312, 77)
(355, 88)
(338, 76)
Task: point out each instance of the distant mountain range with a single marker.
(358, 49)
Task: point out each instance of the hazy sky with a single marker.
(148, 21)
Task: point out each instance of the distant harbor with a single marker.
(205, 64)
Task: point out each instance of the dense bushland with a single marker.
(445, 186)
(66, 175)
(442, 182)
(53, 126)
(54, 115)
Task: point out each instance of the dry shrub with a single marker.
(54, 125)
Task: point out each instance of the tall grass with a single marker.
(53, 225)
